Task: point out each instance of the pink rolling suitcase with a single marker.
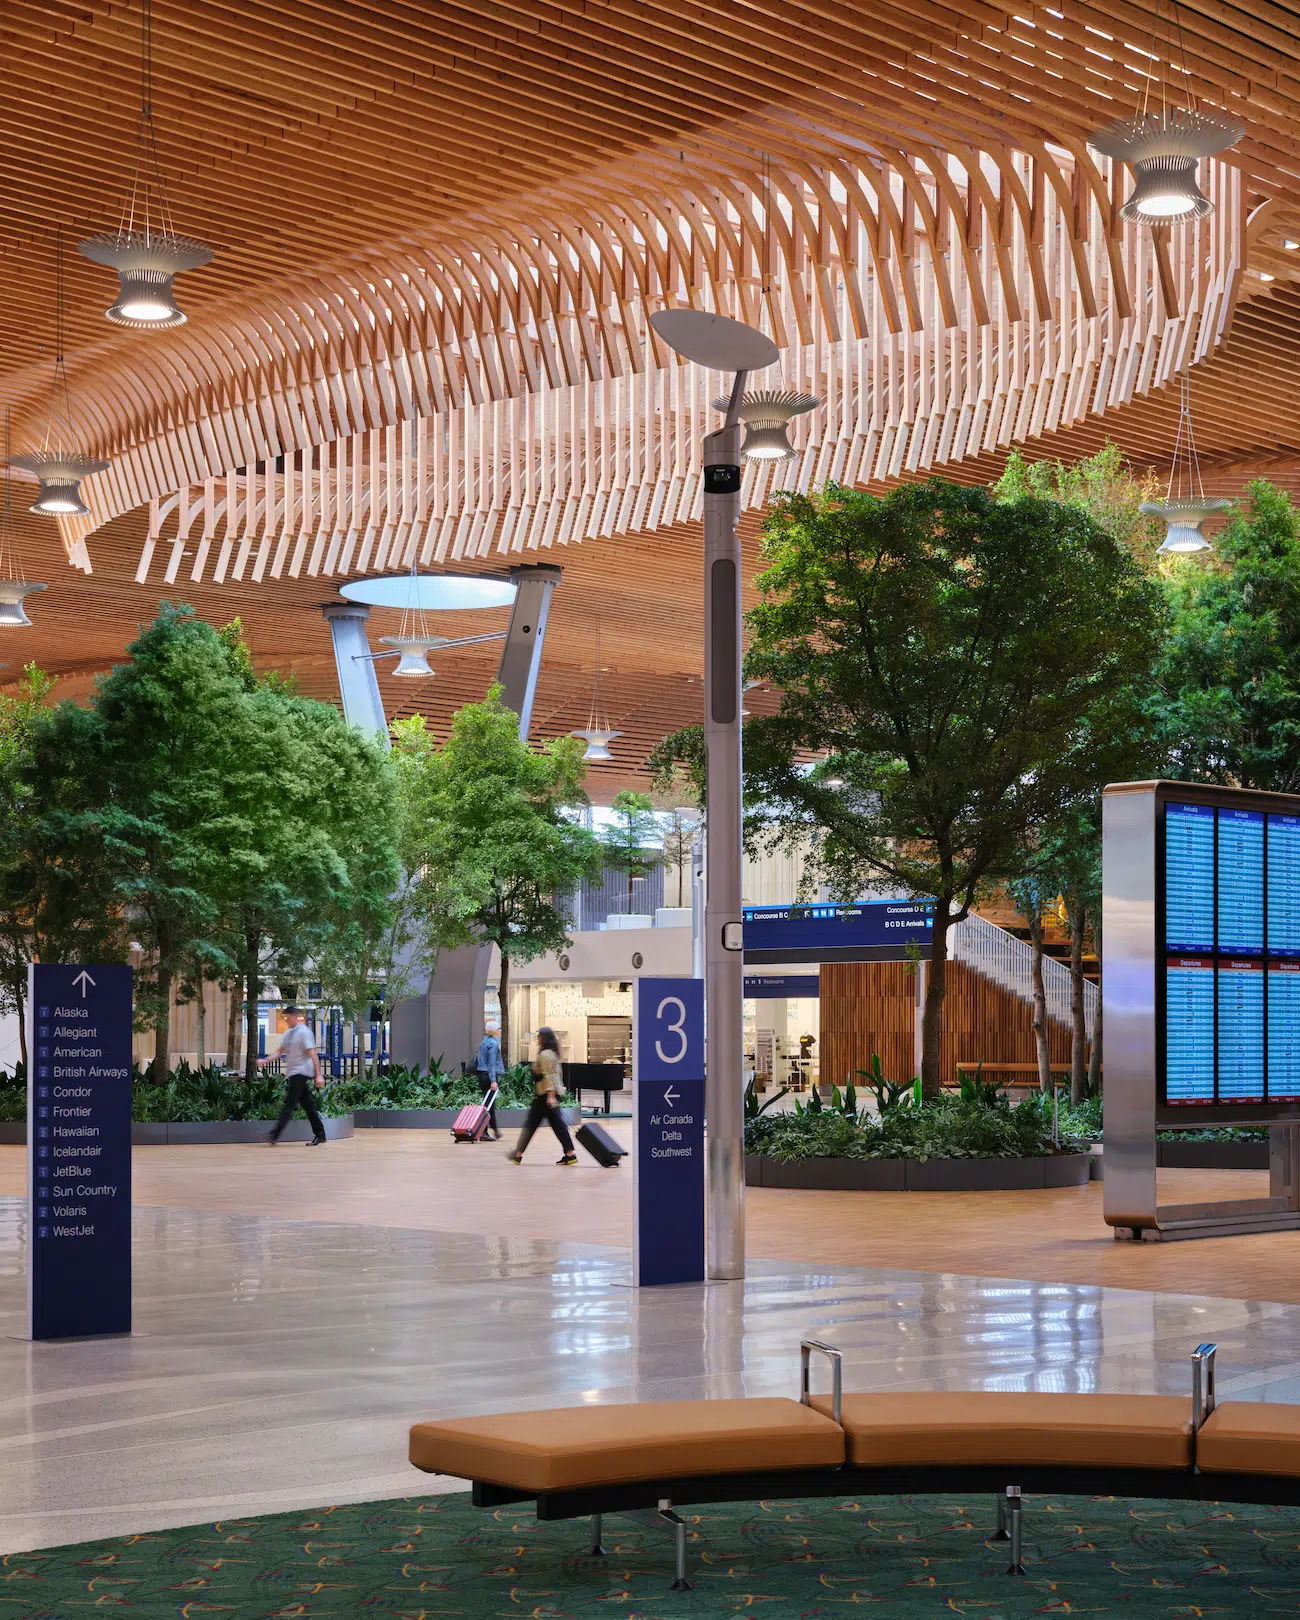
(471, 1124)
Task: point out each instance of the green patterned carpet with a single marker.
(438, 1558)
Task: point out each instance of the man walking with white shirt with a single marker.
(302, 1071)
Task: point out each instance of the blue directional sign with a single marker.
(866, 931)
(79, 1150)
(668, 1083)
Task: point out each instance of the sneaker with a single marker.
(317, 1141)
(515, 1158)
(569, 1158)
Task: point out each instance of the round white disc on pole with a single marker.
(715, 341)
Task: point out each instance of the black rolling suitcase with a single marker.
(600, 1144)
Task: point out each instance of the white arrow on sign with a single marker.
(83, 979)
(671, 1096)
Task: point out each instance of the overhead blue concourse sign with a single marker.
(668, 1083)
(78, 1150)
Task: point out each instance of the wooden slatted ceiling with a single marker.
(298, 135)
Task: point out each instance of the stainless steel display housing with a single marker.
(1132, 920)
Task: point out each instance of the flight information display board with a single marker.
(1230, 955)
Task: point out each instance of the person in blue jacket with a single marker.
(490, 1068)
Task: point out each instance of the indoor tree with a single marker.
(490, 839)
(21, 712)
(952, 663)
(1227, 690)
(631, 842)
(150, 797)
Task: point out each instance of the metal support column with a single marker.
(723, 956)
(521, 658)
(358, 686)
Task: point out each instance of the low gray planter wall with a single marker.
(191, 1134)
(1212, 1155)
(14, 1135)
(424, 1119)
(909, 1175)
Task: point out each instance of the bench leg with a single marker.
(1014, 1508)
(678, 1527)
(597, 1551)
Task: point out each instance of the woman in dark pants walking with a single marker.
(549, 1085)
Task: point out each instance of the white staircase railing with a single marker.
(1005, 960)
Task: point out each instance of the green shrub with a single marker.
(960, 1127)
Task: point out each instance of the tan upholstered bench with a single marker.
(621, 1459)
(638, 1460)
(590, 1446)
(1250, 1437)
(992, 1429)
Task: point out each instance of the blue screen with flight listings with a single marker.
(1231, 953)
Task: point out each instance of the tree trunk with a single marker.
(1042, 1046)
(162, 1055)
(253, 986)
(232, 1022)
(932, 1017)
(503, 999)
(203, 1022)
(1078, 1029)
(1094, 1057)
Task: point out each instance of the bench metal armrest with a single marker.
(1202, 1383)
(806, 1348)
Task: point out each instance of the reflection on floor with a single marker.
(278, 1363)
(420, 1179)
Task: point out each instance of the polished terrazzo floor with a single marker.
(277, 1364)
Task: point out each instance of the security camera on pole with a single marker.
(723, 345)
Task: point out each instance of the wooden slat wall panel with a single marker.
(868, 1007)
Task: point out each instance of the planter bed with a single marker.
(424, 1119)
(1212, 1155)
(189, 1133)
(913, 1175)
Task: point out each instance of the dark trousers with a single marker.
(485, 1084)
(299, 1093)
(539, 1111)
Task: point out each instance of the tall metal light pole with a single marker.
(722, 345)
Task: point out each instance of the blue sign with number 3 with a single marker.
(668, 1082)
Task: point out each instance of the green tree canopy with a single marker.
(148, 791)
(961, 665)
(629, 841)
(490, 838)
(1227, 700)
(1102, 485)
(21, 893)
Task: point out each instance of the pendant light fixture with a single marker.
(598, 734)
(13, 586)
(414, 640)
(59, 464)
(1163, 145)
(1186, 505)
(767, 417)
(145, 250)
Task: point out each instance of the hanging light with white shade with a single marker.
(145, 250)
(1163, 145)
(14, 585)
(1186, 505)
(598, 734)
(60, 464)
